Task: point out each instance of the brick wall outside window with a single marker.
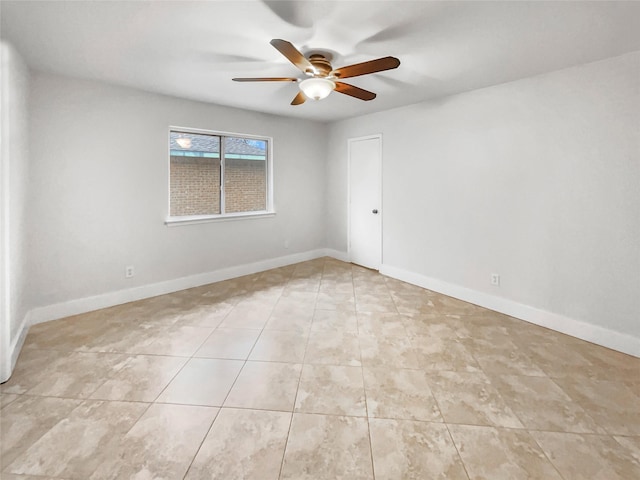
(245, 185)
(195, 186)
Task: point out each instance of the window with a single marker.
(214, 175)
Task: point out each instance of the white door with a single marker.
(365, 201)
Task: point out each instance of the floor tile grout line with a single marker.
(442, 415)
(480, 425)
(366, 402)
(204, 438)
(462, 462)
(224, 400)
(547, 457)
(295, 398)
(190, 358)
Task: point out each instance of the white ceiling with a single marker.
(193, 49)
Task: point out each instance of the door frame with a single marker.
(5, 285)
(350, 141)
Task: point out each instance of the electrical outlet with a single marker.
(286, 244)
(129, 272)
(495, 279)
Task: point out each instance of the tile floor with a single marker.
(320, 370)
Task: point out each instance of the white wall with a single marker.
(537, 180)
(99, 193)
(14, 81)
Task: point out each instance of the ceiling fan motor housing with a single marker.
(321, 64)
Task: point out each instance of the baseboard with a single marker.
(6, 368)
(88, 304)
(337, 254)
(576, 328)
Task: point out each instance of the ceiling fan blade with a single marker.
(356, 92)
(266, 79)
(299, 99)
(364, 68)
(292, 54)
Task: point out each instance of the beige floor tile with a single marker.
(331, 389)
(161, 445)
(632, 444)
(335, 321)
(206, 316)
(290, 322)
(426, 358)
(501, 454)
(295, 302)
(264, 294)
(202, 381)
(128, 338)
(469, 398)
(588, 457)
(375, 302)
(634, 386)
(7, 398)
(327, 447)
(490, 325)
(409, 450)
(266, 386)
(242, 445)
(247, 316)
(177, 341)
(432, 325)
(264, 298)
(490, 331)
(454, 306)
(612, 405)
(72, 333)
(142, 378)
(33, 366)
(399, 394)
(333, 297)
(372, 285)
(333, 348)
(336, 283)
(27, 419)
(280, 346)
(437, 353)
(541, 404)
(381, 324)
(528, 334)
(559, 360)
(398, 286)
(230, 343)
(12, 476)
(397, 352)
(303, 284)
(79, 374)
(508, 363)
(605, 361)
(502, 357)
(409, 304)
(100, 425)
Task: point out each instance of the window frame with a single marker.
(196, 219)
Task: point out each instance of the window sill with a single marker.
(196, 219)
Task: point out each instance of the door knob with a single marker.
(375, 210)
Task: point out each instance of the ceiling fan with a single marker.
(323, 78)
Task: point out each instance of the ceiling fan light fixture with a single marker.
(317, 88)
